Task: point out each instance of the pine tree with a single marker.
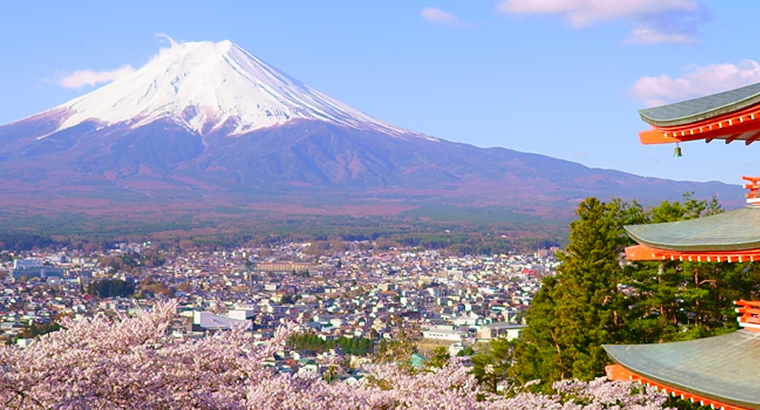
(673, 300)
(597, 298)
(493, 365)
(582, 307)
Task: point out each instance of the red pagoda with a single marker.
(721, 371)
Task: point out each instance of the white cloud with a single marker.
(696, 82)
(649, 34)
(80, 78)
(435, 15)
(584, 12)
(653, 21)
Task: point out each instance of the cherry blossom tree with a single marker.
(133, 363)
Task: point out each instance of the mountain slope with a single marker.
(208, 124)
(204, 86)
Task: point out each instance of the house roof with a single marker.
(725, 368)
(505, 325)
(735, 230)
(699, 109)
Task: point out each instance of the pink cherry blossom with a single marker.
(133, 363)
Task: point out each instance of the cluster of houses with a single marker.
(357, 293)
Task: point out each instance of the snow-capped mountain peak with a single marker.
(205, 85)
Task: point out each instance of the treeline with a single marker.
(328, 234)
(357, 346)
(108, 288)
(20, 241)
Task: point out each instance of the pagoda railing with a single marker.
(749, 311)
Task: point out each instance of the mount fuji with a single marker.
(207, 125)
(206, 87)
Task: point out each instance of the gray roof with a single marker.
(724, 368)
(703, 108)
(505, 325)
(735, 230)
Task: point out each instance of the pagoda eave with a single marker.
(616, 372)
(737, 126)
(646, 253)
(718, 370)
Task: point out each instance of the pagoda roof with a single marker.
(704, 108)
(736, 230)
(723, 368)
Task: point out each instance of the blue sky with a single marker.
(562, 78)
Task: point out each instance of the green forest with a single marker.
(485, 233)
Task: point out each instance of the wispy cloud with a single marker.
(581, 13)
(697, 81)
(653, 21)
(651, 34)
(80, 78)
(435, 15)
(166, 37)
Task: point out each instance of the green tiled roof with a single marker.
(724, 368)
(735, 230)
(703, 108)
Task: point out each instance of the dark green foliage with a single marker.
(129, 261)
(289, 298)
(467, 351)
(357, 346)
(597, 298)
(439, 358)
(473, 234)
(19, 241)
(494, 365)
(107, 288)
(684, 300)
(582, 307)
(38, 329)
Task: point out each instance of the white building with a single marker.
(27, 263)
(500, 329)
(444, 333)
(210, 321)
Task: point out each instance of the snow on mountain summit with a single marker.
(205, 85)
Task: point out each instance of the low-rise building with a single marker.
(500, 329)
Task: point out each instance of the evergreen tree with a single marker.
(439, 357)
(493, 365)
(597, 298)
(582, 307)
(673, 300)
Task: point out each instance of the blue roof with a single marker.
(699, 109)
(735, 230)
(723, 368)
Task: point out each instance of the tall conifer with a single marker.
(582, 307)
